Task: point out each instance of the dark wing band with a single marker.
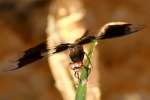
(118, 30)
(85, 39)
(29, 56)
(60, 48)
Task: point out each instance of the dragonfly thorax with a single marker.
(76, 53)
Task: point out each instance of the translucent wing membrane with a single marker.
(135, 28)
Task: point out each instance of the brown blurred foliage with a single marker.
(124, 68)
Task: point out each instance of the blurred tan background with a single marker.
(124, 62)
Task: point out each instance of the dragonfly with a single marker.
(76, 50)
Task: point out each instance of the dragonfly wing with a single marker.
(117, 29)
(33, 54)
(83, 36)
(27, 57)
(85, 39)
(60, 48)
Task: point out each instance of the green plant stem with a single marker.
(82, 87)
